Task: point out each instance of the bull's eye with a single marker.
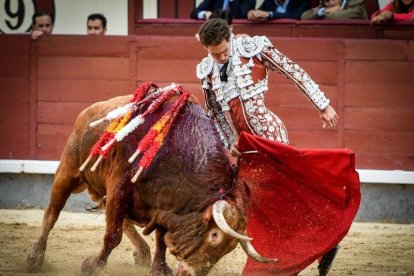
(215, 236)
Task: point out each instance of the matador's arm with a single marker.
(277, 61)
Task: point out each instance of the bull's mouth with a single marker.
(183, 269)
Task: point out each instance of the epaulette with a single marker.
(205, 67)
(251, 46)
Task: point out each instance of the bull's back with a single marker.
(191, 159)
(97, 111)
(83, 137)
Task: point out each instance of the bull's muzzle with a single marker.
(183, 269)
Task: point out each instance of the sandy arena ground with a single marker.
(369, 248)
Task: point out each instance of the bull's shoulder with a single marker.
(103, 107)
(100, 109)
(94, 112)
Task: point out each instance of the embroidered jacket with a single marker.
(243, 92)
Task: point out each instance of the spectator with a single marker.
(42, 23)
(237, 8)
(226, 16)
(96, 24)
(338, 9)
(395, 11)
(273, 9)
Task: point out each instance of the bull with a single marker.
(188, 195)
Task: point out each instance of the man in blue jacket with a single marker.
(236, 8)
(273, 9)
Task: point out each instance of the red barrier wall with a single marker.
(44, 85)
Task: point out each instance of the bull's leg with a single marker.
(142, 254)
(63, 184)
(115, 214)
(159, 264)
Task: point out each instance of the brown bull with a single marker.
(178, 196)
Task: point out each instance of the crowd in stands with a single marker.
(395, 11)
(43, 22)
(337, 9)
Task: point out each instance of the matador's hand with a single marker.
(328, 117)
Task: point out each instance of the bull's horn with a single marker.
(252, 253)
(218, 214)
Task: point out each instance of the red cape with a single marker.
(302, 202)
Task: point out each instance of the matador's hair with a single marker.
(213, 31)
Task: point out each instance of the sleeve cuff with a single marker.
(201, 15)
(270, 16)
(321, 12)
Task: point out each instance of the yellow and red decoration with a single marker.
(122, 124)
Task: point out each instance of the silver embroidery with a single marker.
(244, 81)
(294, 72)
(249, 46)
(264, 123)
(220, 121)
(204, 67)
(205, 84)
(258, 88)
(240, 84)
(242, 70)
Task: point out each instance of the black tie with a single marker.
(223, 72)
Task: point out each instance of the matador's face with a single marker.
(220, 52)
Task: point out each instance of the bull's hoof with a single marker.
(35, 258)
(91, 264)
(159, 269)
(142, 258)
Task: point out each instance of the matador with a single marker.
(234, 78)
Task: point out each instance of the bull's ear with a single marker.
(208, 213)
(169, 243)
